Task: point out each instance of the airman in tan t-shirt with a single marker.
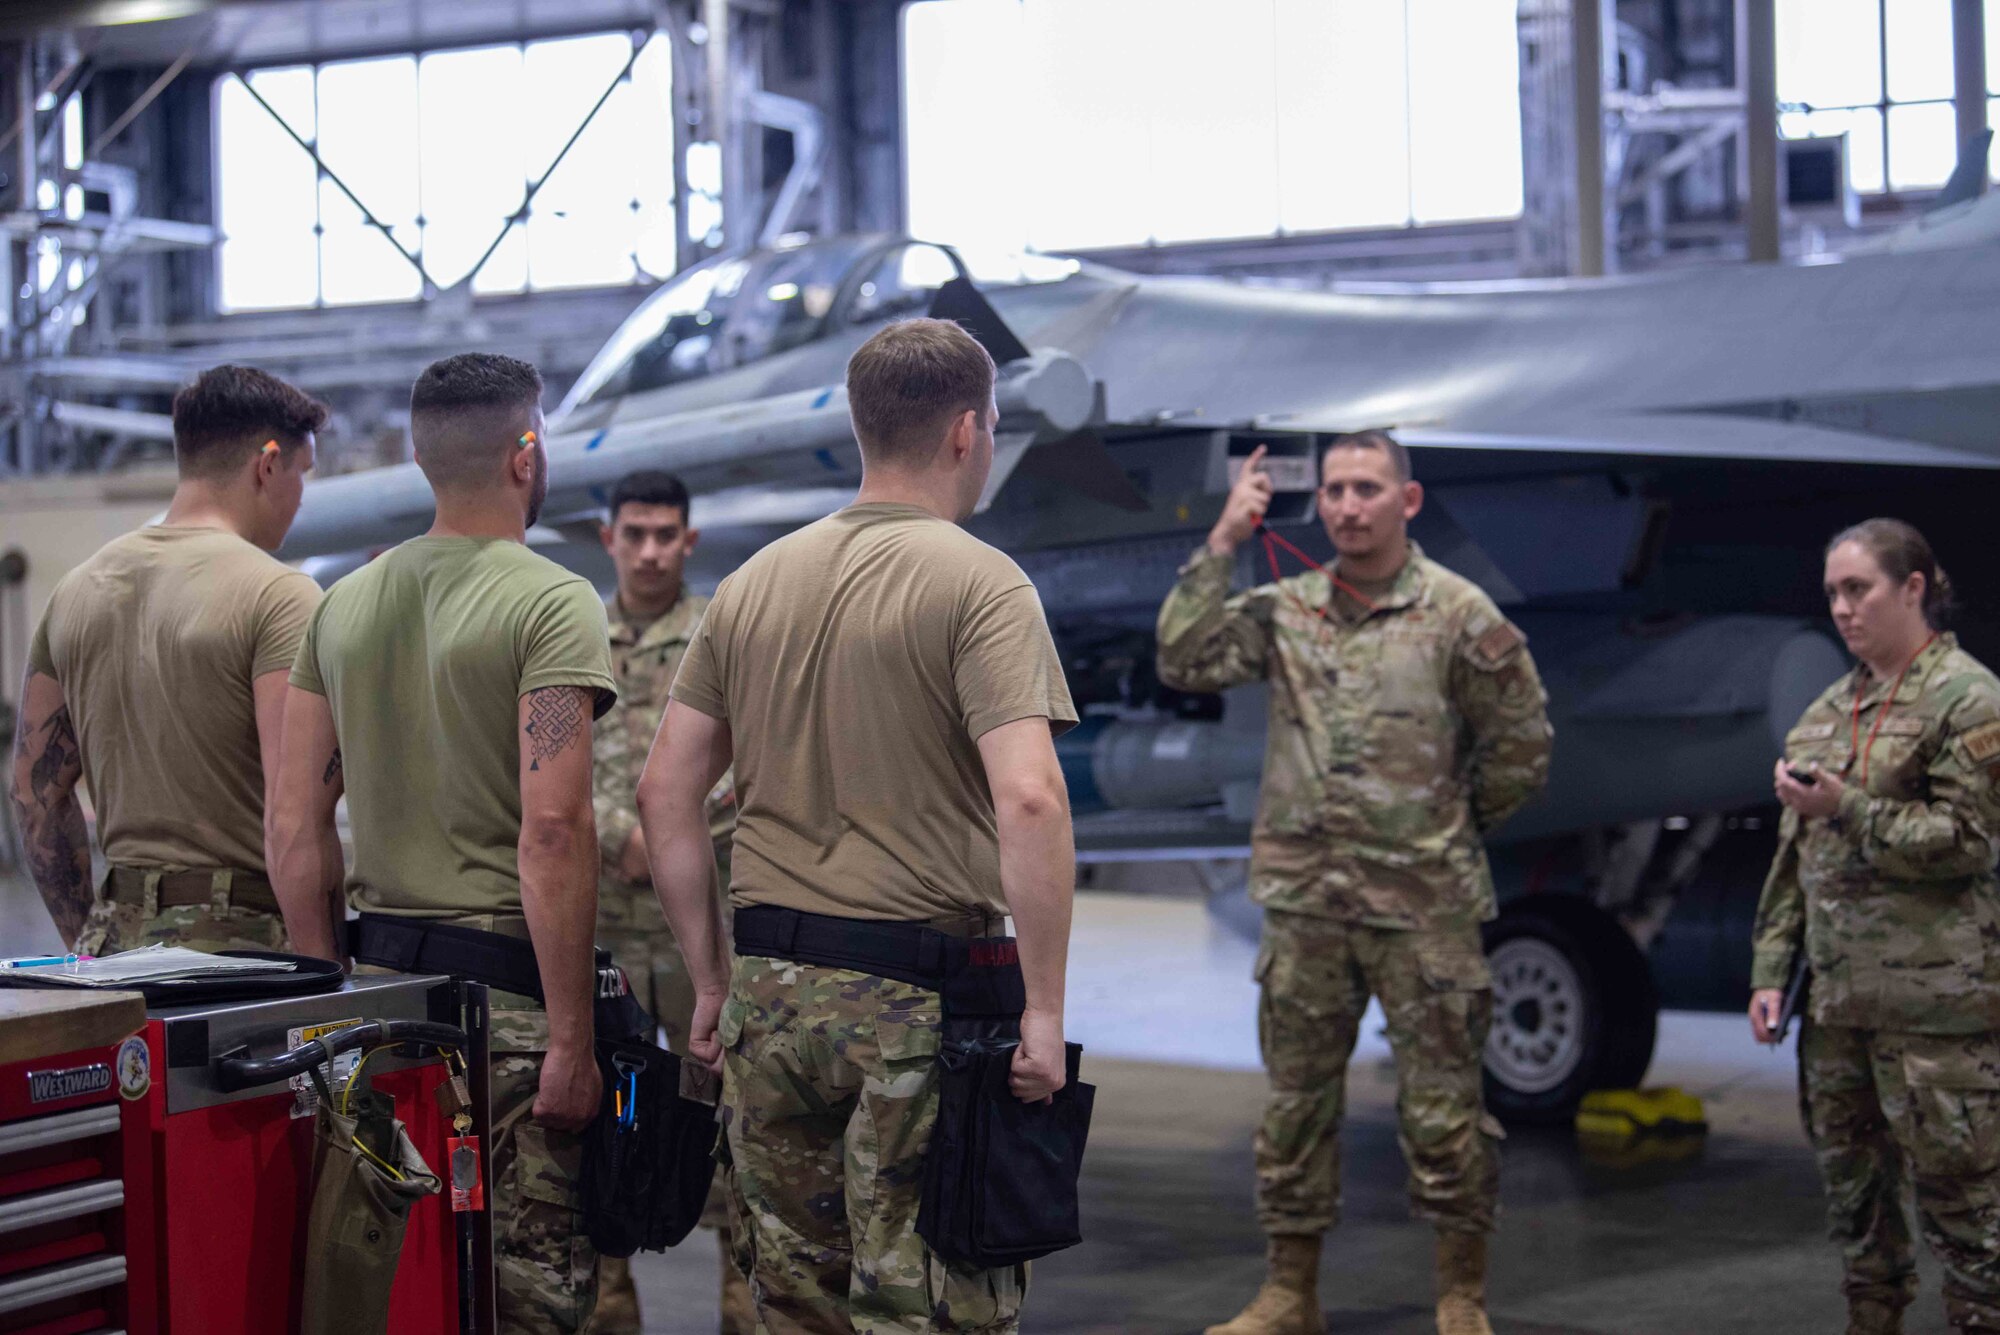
(858, 662)
(157, 677)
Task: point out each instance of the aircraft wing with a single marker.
(1686, 435)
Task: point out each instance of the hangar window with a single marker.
(427, 163)
(1087, 123)
(1880, 72)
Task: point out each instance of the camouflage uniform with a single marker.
(630, 923)
(1398, 735)
(1897, 906)
(816, 1059)
(545, 1269)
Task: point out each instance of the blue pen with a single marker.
(31, 963)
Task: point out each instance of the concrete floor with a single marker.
(1717, 1235)
(1712, 1236)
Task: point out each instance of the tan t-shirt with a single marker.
(423, 655)
(155, 641)
(857, 663)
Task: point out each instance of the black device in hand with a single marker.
(1797, 987)
(1804, 776)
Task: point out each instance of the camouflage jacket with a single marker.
(1396, 737)
(644, 659)
(1894, 896)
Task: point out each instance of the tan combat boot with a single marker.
(617, 1310)
(1461, 1280)
(739, 1312)
(1288, 1302)
(1866, 1316)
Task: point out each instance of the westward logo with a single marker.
(48, 1086)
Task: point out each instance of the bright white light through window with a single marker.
(1917, 42)
(1923, 145)
(1076, 123)
(1833, 56)
(442, 150)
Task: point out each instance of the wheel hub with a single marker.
(1539, 1016)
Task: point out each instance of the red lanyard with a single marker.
(1271, 544)
(1854, 746)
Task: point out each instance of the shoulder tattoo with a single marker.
(556, 716)
(333, 768)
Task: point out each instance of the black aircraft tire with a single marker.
(1574, 1009)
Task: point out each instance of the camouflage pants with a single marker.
(829, 1096)
(1885, 1109)
(113, 927)
(545, 1268)
(1316, 975)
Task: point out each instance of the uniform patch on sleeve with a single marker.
(1982, 743)
(1497, 645)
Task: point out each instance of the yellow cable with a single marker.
(347, 1090)
(387, 1167)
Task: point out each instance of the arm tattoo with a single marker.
(333, 768)
(56, 838)
(60, 757)
(556, 718)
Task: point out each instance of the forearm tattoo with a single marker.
(556, 718)
(52, 826)
(332, 768)
(61, 757)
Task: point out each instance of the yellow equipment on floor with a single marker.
(1614, 1113)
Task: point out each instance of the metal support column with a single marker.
(26, 173)
(676, 18)
(1757, 75)
(1968, 66)
(1587, 28)
(742, 169)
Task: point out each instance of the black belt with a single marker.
(416, 945)
(909, 952)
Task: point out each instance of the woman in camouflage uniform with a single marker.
(1885, 878)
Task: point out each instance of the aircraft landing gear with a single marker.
(1574, 1008)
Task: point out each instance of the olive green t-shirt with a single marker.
(155, 641)
(423, 655)
(857, 663)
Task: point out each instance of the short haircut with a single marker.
(1372, 439)
(907, 384)
(226, 415)
(650, 486)
(1902, 551)
(466, 413)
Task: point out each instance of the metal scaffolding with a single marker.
(751, 84)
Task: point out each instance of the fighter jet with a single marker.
(1641, 470)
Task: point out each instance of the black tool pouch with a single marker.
(1000, 1177)
(649, 1157)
